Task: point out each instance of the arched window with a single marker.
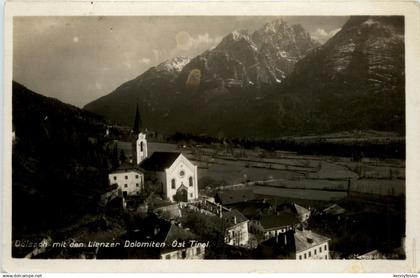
(173, 183)
(190, 181)
(141, 146)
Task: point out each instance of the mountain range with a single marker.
(276, 81)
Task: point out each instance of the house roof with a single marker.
(300, 210)
(334, 210)
(178, 234)
(307, 239)
(159, 161)
(234, 215)
(235, 196)
(126, 167)
(282, 219)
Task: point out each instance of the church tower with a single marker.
(139, 142)
(141, 147)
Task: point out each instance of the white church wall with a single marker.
(181, 171)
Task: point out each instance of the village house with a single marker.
(188, 251)
(274, 225)
(175, 242)
(311, 246)
(300, 212)
(129, 178)
(236, 232)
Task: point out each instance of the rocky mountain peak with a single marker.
(174, 65)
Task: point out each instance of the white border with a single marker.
(409, 9)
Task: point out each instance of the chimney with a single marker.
(156, 230)
(309, 236)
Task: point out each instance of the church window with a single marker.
(190, 181)
(173, 183)
(141, 146)
(182, 173)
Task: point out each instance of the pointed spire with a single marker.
(137, 121)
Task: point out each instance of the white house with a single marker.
(236, 233)
(311, 246)
(176, 174)
(129, 178)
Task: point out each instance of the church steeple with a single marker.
(137, 122)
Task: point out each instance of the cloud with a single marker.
(145, 61)
(322, 36)
(187, 45)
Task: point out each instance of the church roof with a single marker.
(159, 161)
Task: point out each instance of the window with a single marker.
(141, 146)
(191, 195)
(325, 247)
(190, 181)
(126, 177)
(137, 176)
(125, 185)
(137, 185)
(182, 173)
(326, 257)
(315, 252)
(304, 256)
(320, 249)
(115, 178)
(310, 254)
(198, 250)
(300, 257)
(173, 183)
(168, 257)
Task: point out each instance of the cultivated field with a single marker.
(288, 175)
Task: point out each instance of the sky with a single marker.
(79, 59)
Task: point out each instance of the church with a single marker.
(172, 170)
